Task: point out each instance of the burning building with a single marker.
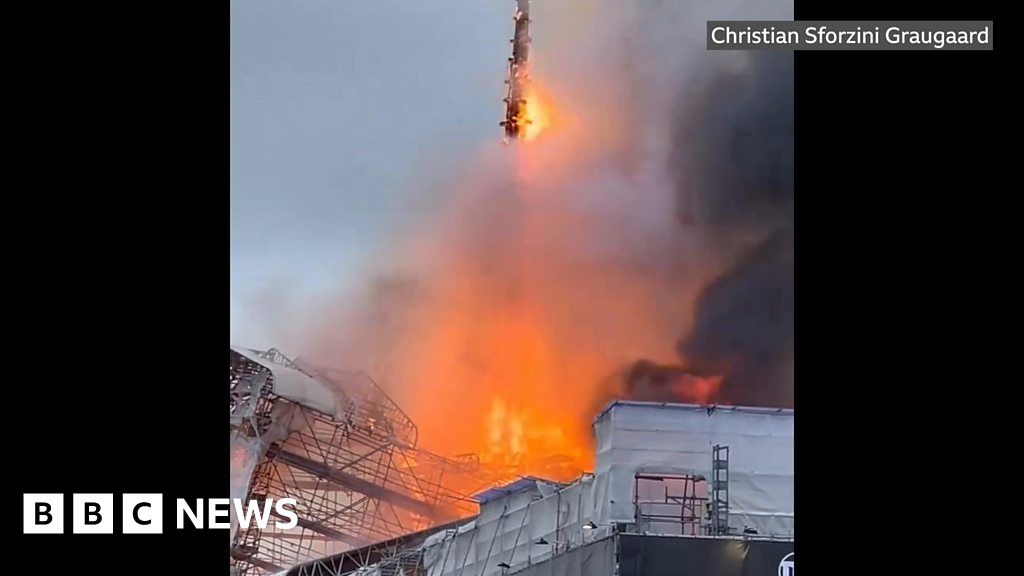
(653, 220)
(639, 247)
(679, 489)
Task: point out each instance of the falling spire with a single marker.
(518, 73)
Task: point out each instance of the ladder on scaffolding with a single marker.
(720, 490)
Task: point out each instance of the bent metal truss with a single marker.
(338, 445)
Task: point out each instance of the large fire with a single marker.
(550, 270)
(496, 381)
(553, 267)
(520, 439)
(531, 315)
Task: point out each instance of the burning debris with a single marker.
(518, 122)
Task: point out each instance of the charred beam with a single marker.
(518, 71)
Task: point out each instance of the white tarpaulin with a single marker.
(528, 521)
(652, 438)
(247, 452)
(294, 385)
(520, 525)
(593, 559)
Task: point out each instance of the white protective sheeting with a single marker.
(247, 452)
(294, 385)
(593, 559)
(530, 521)
(652, 438)
(510, 528)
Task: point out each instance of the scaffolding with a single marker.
(401, 556)
(670, 504)
(720, 490)
(347, 454)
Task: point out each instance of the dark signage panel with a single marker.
(675, 556)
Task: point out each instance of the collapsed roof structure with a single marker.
(337, 444)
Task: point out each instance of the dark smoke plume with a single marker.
(743, 327)
(733, 171)
(732, 156)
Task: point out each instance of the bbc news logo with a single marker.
(143, 513)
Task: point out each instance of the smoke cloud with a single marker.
(640, 247)
(733, 173)
(743, 327)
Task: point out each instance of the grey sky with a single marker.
(336, 108)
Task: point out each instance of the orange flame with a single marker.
(528, 314)
(523, 440)
(535, 114)
(697, 389)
